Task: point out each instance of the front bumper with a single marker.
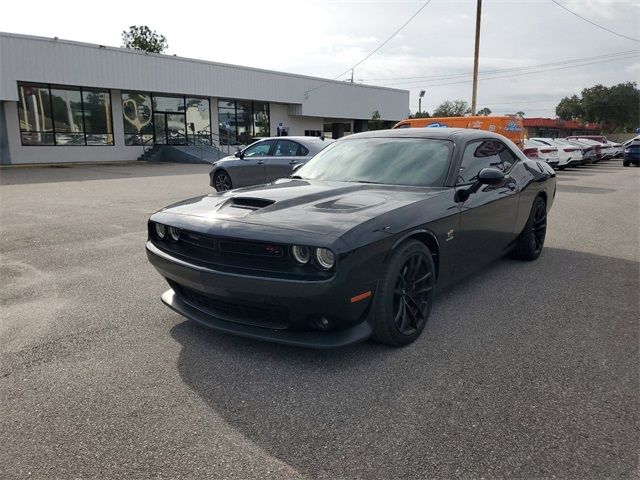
(293, 310)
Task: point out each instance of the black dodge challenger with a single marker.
(356, 243)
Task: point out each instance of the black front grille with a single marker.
(267, 316)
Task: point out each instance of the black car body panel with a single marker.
(233, 257)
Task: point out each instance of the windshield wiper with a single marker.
(297, 177)
(367, 181)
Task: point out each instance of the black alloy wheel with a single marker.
(405, 295)
(539, 227)
(531, 241)
(410, 296)
(222, 181)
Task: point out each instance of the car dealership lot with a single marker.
(525, 369)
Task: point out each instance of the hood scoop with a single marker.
(248, 203)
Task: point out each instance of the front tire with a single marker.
(222, 181)
(531, 240)
(405, 295)
(626, 163)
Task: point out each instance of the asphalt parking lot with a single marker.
(524, 370)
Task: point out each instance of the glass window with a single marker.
(67, 116)
(393, 161)
(64, 116)
(483, 154)
(34, 111)
(240, 121)
(287, 148)
(507, 157)
(244, 122)
(97, 117)
(227, 122)
(261, 126)
(137, 117)
(198, 119)
(258, 149)
(168, 104)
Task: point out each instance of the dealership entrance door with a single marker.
(170, 128)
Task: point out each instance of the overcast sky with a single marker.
(325, 38)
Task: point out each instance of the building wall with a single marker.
(55, 61)
(4, 139)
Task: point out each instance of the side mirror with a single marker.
(486, 176)
(490, 176)
(239, 154)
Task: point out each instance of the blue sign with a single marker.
(436, 125)
(512, 127)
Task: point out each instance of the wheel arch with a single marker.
(429, 239)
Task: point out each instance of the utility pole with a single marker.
(474, 95)
(352, 75)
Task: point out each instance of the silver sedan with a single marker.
(264, 161)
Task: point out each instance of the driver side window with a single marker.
(259, 149)
(482, 154)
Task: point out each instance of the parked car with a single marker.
(616, 148)
(357, 242)
(263, 161)
(604, 150)
(590, 151)
(631, 153)
(569, 155)
(541, 152)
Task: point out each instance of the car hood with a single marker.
(320, 207)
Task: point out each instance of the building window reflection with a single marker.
(165, 120)
(64, 115)
(240, 121)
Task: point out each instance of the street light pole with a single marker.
(422, 92)
(476, 54)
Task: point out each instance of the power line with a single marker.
(503, 70)
(387, 40)
(516, 74)
(374, 51)
(594, 23)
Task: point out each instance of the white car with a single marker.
(569, 155)
(541, 152)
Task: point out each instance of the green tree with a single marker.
(484, 111)
(376, 123)
(569, 108)
(520, 114)
(457, 108)
(423, 114)
(143, 38)
(616, 107)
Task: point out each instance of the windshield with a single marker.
(394, 161)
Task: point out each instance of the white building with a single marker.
(64, 101)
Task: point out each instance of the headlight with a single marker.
(174, 233)
(325, 257)
(301, 254)
(161, 231)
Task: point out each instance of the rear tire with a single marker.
(626, 163)
(404, 295)
(531, 241)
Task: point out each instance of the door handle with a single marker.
(292, 162)
(260, 162)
